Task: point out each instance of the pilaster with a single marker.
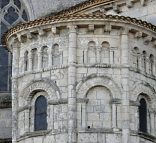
(30, 60)
(40, 58)
(72, 138)
(15, 62)
(125, 85)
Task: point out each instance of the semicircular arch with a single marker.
(144, 89)
(39, 85)
(93, 80)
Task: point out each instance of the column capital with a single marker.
(125, 30)
(72, 28)
(16, 43)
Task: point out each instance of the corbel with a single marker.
(116, 8)
(129, 3)
(108, 27)
(138, 34)
(147, 39)
(29, 36)
(91, 27)
(54, 30)
(142, 2)
(19, 37)
(41, 32)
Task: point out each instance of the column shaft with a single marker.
(71, 85)
(125, 84)
(15, 61)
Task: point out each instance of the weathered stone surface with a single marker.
(93, 75)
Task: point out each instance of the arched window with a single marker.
(105, 52)
(136, 57)
(91, 56)
(56, 55)
(34, 59)
(26, 61)
(40, 120)
(151, 64)
(143, 116)
(44, 56)
(12, 13)
(144, 60)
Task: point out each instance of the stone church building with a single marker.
(82, 71)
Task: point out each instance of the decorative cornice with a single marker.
(62, 18)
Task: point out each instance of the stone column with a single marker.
(125, 85)
(50, 57)
(30, 61)
(84, 121)
(85, 57)
(39, 58)
(27, 129)
(152, 123)
(114, 118)
(71, 85)
(98, 55)
(15, 92)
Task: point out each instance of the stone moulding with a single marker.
(26, 107)
(146, 136)
(57, 102)
(34, 134)
(76, 19)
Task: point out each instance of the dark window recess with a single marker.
(4, 78)
(143, 116)
(40, 113)
(11, 16)
(24, 15)
(3, 30)
(3, 56)
(3, 3)
(17, 3)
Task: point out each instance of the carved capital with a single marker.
(72, 28)
(16, 43)
(125, 30)
(108, 27)
(91, 27)
(115, 101)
